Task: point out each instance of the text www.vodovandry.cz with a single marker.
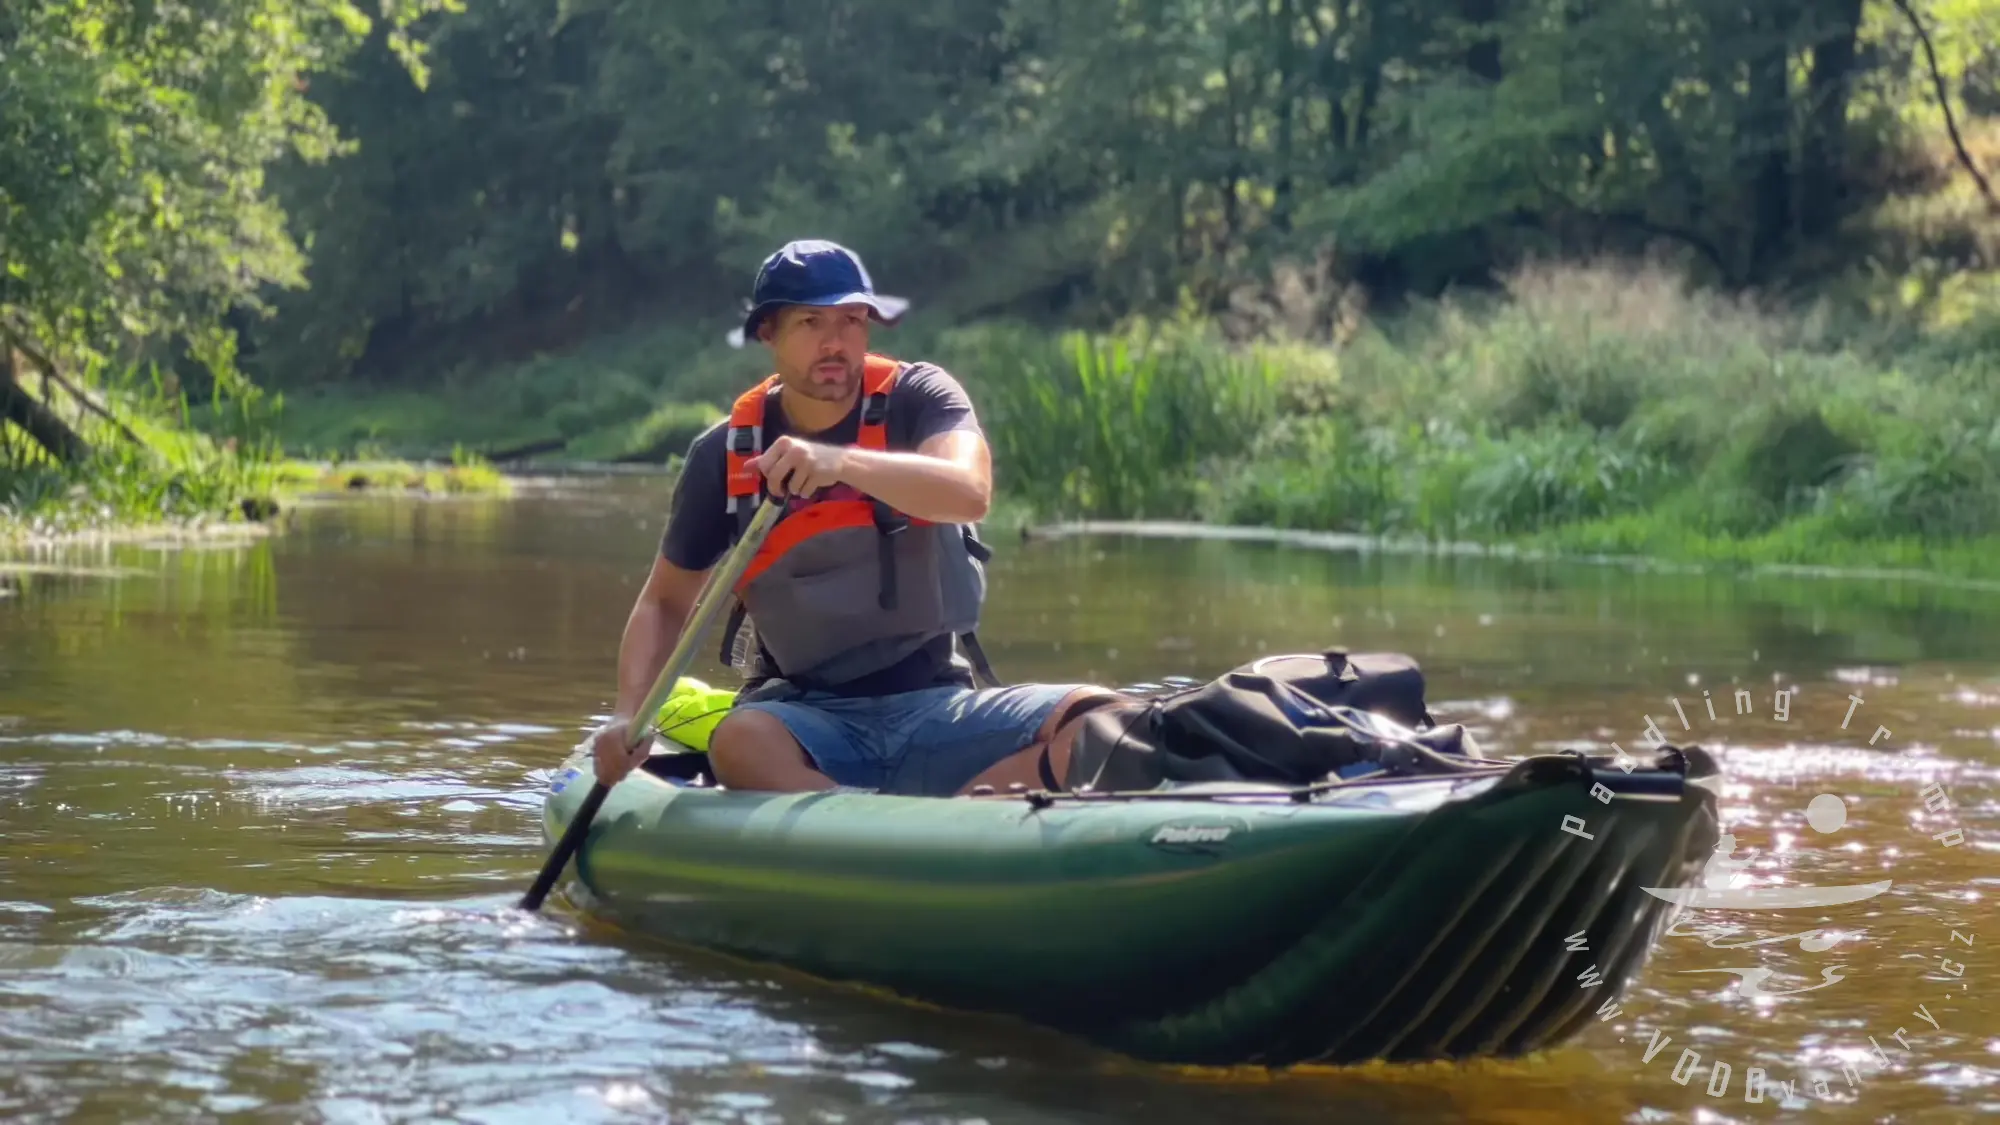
(1826, 813)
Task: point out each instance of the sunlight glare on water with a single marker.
(267, 809)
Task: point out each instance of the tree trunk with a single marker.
(1482, 58)
(1821, 172)
(1286, 34)
(35, 419)
(1766, 121)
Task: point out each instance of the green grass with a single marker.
(638, 395)
(173, 475)
(467, 475)
(1803, 542)
(1109, 426)
(124, 486)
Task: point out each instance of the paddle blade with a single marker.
(572, 838)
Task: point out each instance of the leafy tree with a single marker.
(563, 166)
(134, 139)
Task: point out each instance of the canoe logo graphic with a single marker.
(1198, 839)
(1721, 889)
(1724, 887)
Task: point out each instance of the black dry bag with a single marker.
(1293, 719)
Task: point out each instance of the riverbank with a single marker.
(128, 457)
(1583, 409)
(138, 498)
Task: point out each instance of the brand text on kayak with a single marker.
(1191, 834)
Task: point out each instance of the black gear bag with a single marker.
(1293, 720)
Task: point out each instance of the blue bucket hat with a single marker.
(815, 272)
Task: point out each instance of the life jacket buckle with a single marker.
(889, 521)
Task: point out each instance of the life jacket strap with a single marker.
(975, 547)
(889, 523)
(875, 420)
(726, 654)
(976, 653)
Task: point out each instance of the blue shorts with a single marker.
(926, 743)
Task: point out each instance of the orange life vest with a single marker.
(746, 440)
(805, 588)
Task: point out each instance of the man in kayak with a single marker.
(864, 596)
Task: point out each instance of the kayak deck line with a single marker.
(1482, 770)
(1394, 918)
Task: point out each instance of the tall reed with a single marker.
(1111, 427)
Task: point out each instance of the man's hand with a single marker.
(796, 467)
(614, 761)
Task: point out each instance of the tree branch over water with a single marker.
(1944, 104)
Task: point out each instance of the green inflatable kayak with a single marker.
(1399, 918)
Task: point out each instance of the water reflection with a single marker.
(266, 806)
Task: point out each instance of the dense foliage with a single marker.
(135, 221)
(526, 223)
(134, 142)
(578, 163)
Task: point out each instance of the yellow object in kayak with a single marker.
(692, 712)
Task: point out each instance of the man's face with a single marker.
(819, 352)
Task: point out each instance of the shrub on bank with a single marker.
(466, 474)
(1579, 397)
(1598, 407)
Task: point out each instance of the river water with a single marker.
(264, 809)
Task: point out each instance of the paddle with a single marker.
(714, 591)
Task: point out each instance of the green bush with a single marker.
(1557, 475)
(1939, 484)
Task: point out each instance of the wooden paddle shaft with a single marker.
(714, 592)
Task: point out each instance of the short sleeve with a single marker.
(698, 524)
(927, 402)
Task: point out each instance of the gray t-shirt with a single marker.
(925, 402)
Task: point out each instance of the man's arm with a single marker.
(652, 629)
(949, 479)
(696, 536)
(695, 539)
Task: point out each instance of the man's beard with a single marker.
(814, 386)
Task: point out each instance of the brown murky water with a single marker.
(264, 810)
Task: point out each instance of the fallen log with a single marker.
(33, 417)
(19, 345)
